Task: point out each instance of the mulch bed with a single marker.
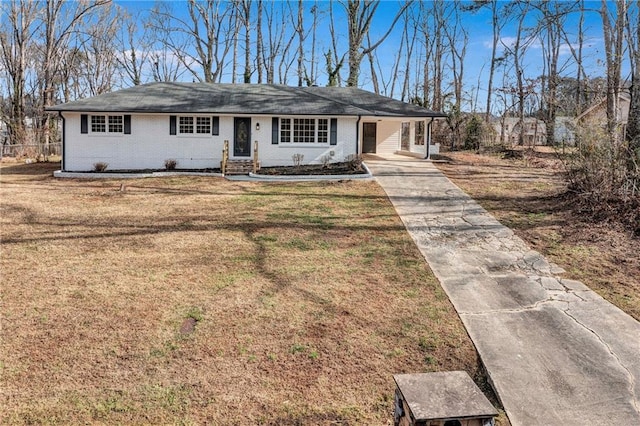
(345, 168)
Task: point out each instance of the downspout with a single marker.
(358, 135)
(428, 141)
(62, 144)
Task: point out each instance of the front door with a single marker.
(242, 137)
(368, 138)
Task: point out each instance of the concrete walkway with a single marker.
(555, 352)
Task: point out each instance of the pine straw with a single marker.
(303, 300)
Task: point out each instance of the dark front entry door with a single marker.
(242, 137)
(368, 138)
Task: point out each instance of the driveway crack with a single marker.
(631, 378)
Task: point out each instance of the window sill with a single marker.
(303, 145)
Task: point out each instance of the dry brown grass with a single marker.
(197, 300)
(528, 195)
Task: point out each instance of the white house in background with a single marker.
(141, 127)
(507, 131)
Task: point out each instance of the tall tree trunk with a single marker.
(633, 123)
(494, 46)
(246, 9)
(613, 43)
(300, 32)
(259, 44)
(359, 17)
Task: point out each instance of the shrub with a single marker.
(297, 159)
(170, 164)
(603, 176)
(100, 166)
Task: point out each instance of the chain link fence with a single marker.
(30, 150)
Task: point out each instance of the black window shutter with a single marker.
(127, 124)
(215, 126)
(333, 138)
(274, 130)
(84, 123)
(172, 124)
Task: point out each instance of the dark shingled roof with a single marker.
(268, 99)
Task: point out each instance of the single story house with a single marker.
(143, 126)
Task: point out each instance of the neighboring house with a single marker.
(507, 131)
(141, 127)
(597, 113)
(564, 131)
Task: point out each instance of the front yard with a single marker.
(197, 300)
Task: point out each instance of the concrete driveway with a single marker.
(555, 352)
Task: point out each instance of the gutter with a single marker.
(428, 141)
(62, 144)
(358, 135)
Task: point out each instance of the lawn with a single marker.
(528, 195)
(197, 300)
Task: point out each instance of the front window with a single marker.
(203, 125)
(116, 124)
(404, 136)
(186, 125)
(304, 130)
(98, 124)
(419, 138)
(285, 130)
(107, 124)
(323, 130)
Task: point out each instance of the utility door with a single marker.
(369, 138)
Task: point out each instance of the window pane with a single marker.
(186, 125)
(323, 130)
(98, 124)
(304, 130)
(203, 125)
(285, 130)
(116, 124)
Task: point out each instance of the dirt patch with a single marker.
(528, 195)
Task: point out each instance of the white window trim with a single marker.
(315, 142)
(106, 125)
(195, 126)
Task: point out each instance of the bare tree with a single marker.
(244, 7)
(299, 28)
(517, 51)
(360, 15)
(100, 64)
(259, 44)
(496, 28)
(59, 25)
(409, 40)
(633, 123)
(613, 46)
(332, 57)
(550, 30)
(205, 29)
(15, 43)
(134, 48)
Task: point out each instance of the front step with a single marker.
(239, 167)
